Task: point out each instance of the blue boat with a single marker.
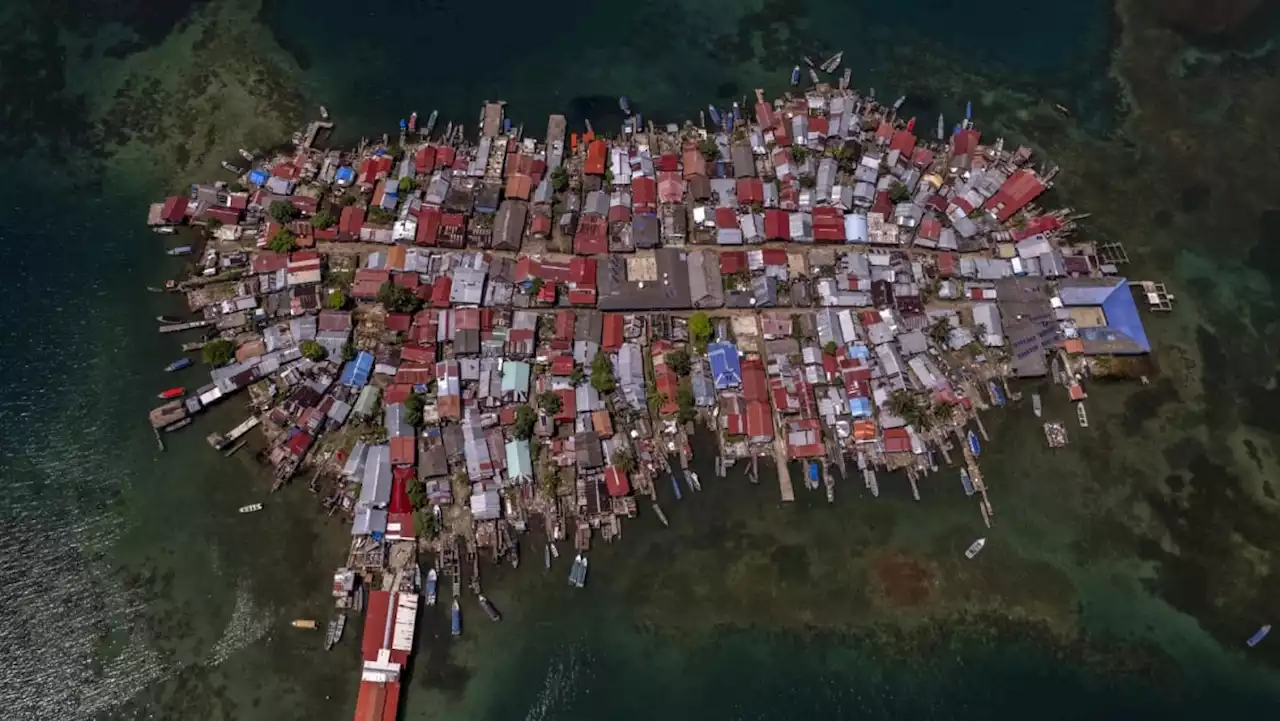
(973, 444)
(624, 104)
(966, 481)
(715, 114)
(639, 122)
(675, 486)
(1258, 635)
(795, 75)
(968, 110)
(403, 123)
(814, 478)
(178, 365)
(506, 125)
(457, 618)
(180, 250)
(432, 577)
(997, 396)
(737, 117)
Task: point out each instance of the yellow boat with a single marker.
(305, 623)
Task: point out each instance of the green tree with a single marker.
(550, 482)
(398, 299)
(337, 299)
(323, 220)
(831, 347)
(576, 377)
(898, 192)
(684, 399)
(218, 352)
(940, 330)
(608, 177)
(417, 493)
(536, 285)
(526, 417)
(700, 328)
(282, 211)
(347, 199)
(679, 362)
(559, 179)
(236, 187)
(799, 153)
(381, 216)
(550, 402)
(212, 225)
(313, 350)
(625, 459)
(284, 241)
(709, 149)
(348, 351)
(405, 184)
(602, 374)
(656, 398)
(413, 406)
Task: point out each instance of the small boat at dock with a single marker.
(431, 122)
(973, 444)
(997, 396)
(178, 426)
(333, 631)
(245, 154)
(975, 548)
(171, 393)
(966, 481)
(546, 556)
(164, 229)
(942, 128)
(432, 579)
(324, 113)
(714, 114)
(657, 511)
(692, 479)
(578, 574)
(832, 62)
(898, 103)
(624, 105)
(1036, 406)
(305, 623)
(675, 486)
(180, 250)
(1061, 109)
(167, 319)
(489, 610)
(795, 75)
(1082, 415)
(178, 365)
(807, 60)
(413, 122)
(1258, 635)
(251, 508)
(555, 550)
(456, 618)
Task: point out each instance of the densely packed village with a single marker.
(451, 336)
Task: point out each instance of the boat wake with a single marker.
(560, 684)
(249, 622)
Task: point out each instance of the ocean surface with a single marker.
(1123, 573)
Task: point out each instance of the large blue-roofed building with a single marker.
(726, 366)
(1120, 331)
(356, 372)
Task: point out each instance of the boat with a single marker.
(975, 548)
(431, 122)
(251, 508)
(715, 114)
(246, 155)
(555, 550)
(164, 229)
(180, 250)
(657, 510)
(898, 103)
(624, 105)
(807, 60)
(832, 62)
(966, 481)
(1036, 406)
(324, 113)
(675, 486)
(1082, 415)
(1055, 434)
(844, 81)
(546, 556)
(973, 444)
(432, 579)
(578, 574)
(795, 75)
(489, 610)
(997, 396)
(456, 618)
(941, 128)
(413, 122)
(692, 478)
(737, 112)
(178, 365)
(1258, 635)
(1061, 109)
(171, 393)
(514, 550)
(167, 319)
(333, 632)
(968, 110)
(813, 75)
(306, 623)
(179, 425)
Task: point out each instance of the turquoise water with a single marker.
(1122, 576)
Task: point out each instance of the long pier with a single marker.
(189, 325)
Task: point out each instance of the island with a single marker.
(481, 345)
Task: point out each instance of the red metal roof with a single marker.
(964, 142)
(904, 142)
(568, 405)
(564, 324)
(774, 256)
(226, 216)
(402, 453)
(539, 224)
(930, 228)
(425, 159)
(351, 221)
(612, 335)
(428, 227)
(562, 365)
(266, 261)
(615, 480)
(619, 214)
(897, 440)
(440, 292)
(777, 225)
(591, 238)
(750, 190)
(667, 162)
(580, 296)
(597, 155)
(644, 194)
(734, 261)
(397, 393)
(828, 225)
(754, 385)
(694, 162)
(582, 272)
(726, 218)
(946, 264)
(759, 421)
(174, 210)
(1021, 188)
(378, 701)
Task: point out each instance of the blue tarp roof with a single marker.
(346, 173)
(860, 407)
(726, 366)
(356, 372)
(258, 177)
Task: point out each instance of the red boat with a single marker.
(172, 393)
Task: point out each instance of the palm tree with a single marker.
(903, 404)
(940, 331)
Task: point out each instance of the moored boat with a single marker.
(251, 508)
(180, 250)
(431, 122)
(546, 556)
(973, 444)
(692, 479)
(305, 623)
(456, 618)
(555, 550)
(997, 396)
(164, 229)
(657, 511)
(975, 548)
(714, 114)
(169, 393)
(489, 610)
(1258, 635)
(333, 632)
(1036, 406)
(178, 365)
(795, 75)
(1082, 415)
(624, 105)
(966, 481)
(578, 574)
(178, 426)
(432, 579)
(898, 103)
(324, 113)
(675, 486)
(942, 128)
(413, 121)
(167, 319)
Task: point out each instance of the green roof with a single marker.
(519, 460)
(515, 377)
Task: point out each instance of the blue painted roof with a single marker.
(258, 177)
(356, 372)
(1124, 324)
(346, 173)
(860, 407)
(726, 366)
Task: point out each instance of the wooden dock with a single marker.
(784, 472)
(190, 325)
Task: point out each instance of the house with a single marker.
(726, 368)
(519, 462)
(1104, 314)
(615, 481)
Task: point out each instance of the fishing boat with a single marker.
(251, 508)
(898, 103)
(973, 444)
(813, 75)
(431, 122)
(1036, 406)
(180, 250)
(514, 550)
(546, 556)
(941, 128)
(694, 482)
(170, 393)
(714, 114)
(578, 574)
(456, 618)
(1061, 109)
(178, 426)
(324, 113)
(413, 122)
(795, 75)
(489, 610)
(624, 105)
(432, 579)
(164, 230)
(807, 60)
(966, 481)
(832, 62)
(657, 511)
(844, 80)
(246, 155)
(306, 623)
(333, 632)
(675, 486)
(1082, 415)
(975, 548)
(167, 319)
(1055, 434)
(1258, 635)
(997, 396)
